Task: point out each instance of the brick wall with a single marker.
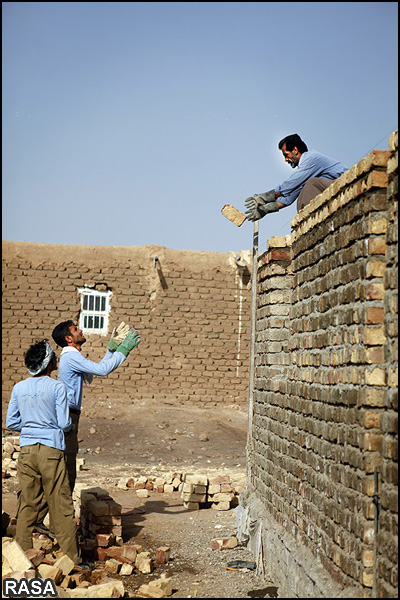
(387, 543)
(324, 417)
(192, 312)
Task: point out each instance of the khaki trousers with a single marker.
(42, 472)
(311, 189)
(71, 451)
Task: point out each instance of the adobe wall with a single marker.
(324, 404)
(192, 312)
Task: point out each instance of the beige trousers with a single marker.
(42, 473)
(71, 451)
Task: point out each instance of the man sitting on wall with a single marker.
(314, 173)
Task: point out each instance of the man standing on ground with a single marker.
(75, 368)
(39, 410)
(314, 173)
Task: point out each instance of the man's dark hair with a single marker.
(35, 355)
(293, 141)
(60, 331)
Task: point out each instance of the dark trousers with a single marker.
(71, 448)
(311, 189)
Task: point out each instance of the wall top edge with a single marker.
(36, 253)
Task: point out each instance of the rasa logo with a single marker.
(28, 588)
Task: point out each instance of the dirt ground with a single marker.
(118, 442)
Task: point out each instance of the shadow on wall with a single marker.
(157, 266)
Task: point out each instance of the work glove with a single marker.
(260, 204)
(118, 335)
(131, 341)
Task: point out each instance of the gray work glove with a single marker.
(260, 204)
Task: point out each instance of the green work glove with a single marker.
(118, 335)
(131, 341)
(260, 204)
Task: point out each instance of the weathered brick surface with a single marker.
(192, 312)
(325, 397)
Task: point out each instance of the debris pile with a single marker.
(197, 490)
(217, 492)
(143, 484)
(99, 516)
(104, 580)
(10, 452)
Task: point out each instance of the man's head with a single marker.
(292, 147)
(40, 359)
(68, 334)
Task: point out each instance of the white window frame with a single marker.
(95, 310)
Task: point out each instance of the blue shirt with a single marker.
(39, 410)
(311, 164)
(73, 367)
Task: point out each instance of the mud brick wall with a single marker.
(324, 414)
(193, 313)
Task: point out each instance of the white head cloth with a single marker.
(49, 355)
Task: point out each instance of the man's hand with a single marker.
(260, 204)
(130, 342)
(118, 335)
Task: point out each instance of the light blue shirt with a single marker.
(39, 410)
(311, 164)
(73, 367)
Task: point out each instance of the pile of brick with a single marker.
(143, 484)
(10, 452)
(99, 516)
(201, 491)
(197, 490)
(46, 561)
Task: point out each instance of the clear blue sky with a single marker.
(133, 123)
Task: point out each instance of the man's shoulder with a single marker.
(22, 384)
(312, 154)
(70, 356)
(54, 382)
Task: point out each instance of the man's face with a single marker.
(293, 157)
(76, 335)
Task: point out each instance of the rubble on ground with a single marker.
(197, 490)
(99, 517)
(100, 520)
(103, 580)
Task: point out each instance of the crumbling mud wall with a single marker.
(192, 310)
(322, 473)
